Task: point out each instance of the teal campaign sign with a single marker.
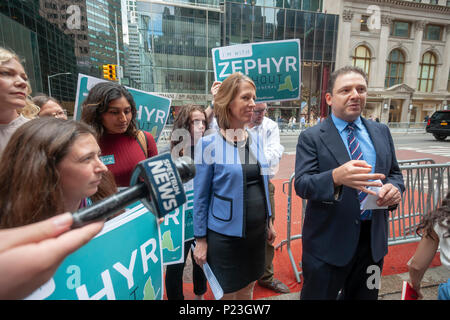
(123, 262)
(273, 66)
(189, 211)
(178, 227)
(172, 236)
(152, 110)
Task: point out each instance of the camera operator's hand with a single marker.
(30, 255)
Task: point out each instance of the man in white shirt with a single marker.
(268, 130)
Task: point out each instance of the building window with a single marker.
(363, 22)
(434, 1)
(361, 58)
(395, 68)
(401, 29)
(433, 32)
(427, 70)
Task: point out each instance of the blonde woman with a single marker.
(231, 198)
(14, 90)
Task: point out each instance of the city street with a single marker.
(421, 142)
(407, 146)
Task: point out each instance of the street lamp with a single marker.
(48, 80)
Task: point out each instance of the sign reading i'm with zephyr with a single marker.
(273, 66)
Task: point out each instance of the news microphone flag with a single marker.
(163, 182)
(156, 181)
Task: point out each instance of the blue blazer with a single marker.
(331, 226)
(219, 197)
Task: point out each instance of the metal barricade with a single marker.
(425, 187)
(289, 236)
(416, 161)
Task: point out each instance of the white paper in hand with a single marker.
(213, 283)
(212, 280)
(370, 202)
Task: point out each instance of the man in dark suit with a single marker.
(338, 163)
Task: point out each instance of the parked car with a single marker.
(439, 124)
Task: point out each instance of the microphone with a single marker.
(156, 181)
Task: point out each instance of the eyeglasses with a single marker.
(60, 114)
(259, 111)
(198, 122)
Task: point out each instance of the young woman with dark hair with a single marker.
(190, 124)
(110, 109)
(435, 231)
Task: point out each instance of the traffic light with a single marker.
(106, 71)
(112, 73)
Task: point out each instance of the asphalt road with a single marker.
(419, 141)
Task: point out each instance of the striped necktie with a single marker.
(356, 154)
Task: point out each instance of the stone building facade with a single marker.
(404, 46)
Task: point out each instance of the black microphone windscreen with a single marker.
(186, 168)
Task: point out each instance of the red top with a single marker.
(127, 153)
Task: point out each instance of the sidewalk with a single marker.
(296, 132)
(391, 286)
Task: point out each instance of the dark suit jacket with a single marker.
(331, 226)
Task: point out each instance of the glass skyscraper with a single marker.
(175, 48)
(176, 38)
(75, 36)
(278, 20)
(46, 50)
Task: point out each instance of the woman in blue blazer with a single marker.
(231, 198)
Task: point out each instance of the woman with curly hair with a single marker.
(435, 232)
(110, 109)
